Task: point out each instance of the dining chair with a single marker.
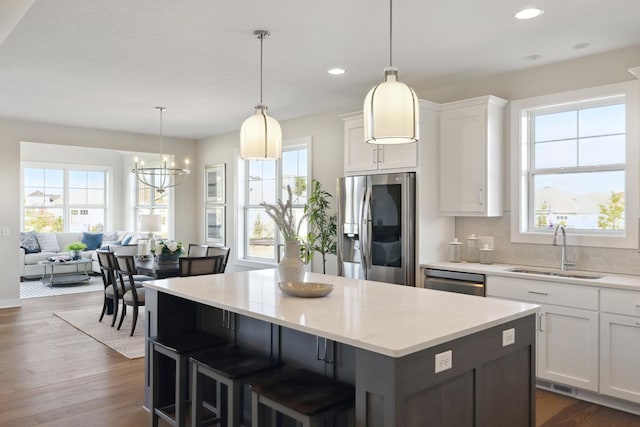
(133, 294)
(197, 266)
(112, 292)
(220, 250)
(197, 250)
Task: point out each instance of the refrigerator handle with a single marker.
(365, 227)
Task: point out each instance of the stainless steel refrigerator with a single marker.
(376, 227)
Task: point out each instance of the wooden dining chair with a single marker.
(197, 250)
(197, 266)
(133, 294)
(220, 250)
(112, 294)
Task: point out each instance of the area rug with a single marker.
(37, 289)
(86, 320)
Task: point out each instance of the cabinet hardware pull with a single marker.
(374, 152)
(538, 293)
(541, 328)
(380, 154)
(318, 356)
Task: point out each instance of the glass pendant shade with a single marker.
(260, 136)
(391, 112)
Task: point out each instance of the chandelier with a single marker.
(391, 109)
(163, 177)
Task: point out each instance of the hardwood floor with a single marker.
(54, 375)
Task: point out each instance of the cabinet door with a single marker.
(568, 346)
(619, 356)
(358, 155)
(463, 160)
(398, 156)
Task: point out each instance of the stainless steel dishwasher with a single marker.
(454, 281)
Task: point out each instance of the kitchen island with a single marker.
(387, 340)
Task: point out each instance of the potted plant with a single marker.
(76, 249)
(168, 250)
(291, 267)
(323, 226)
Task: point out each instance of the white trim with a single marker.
(519, 108)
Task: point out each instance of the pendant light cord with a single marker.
(390, 33)
(161, 109)
(261, 36)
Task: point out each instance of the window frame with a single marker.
(521, 155)
(67, 206)
(241, 207)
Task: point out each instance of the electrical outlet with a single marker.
(508, 337)
(444, 361)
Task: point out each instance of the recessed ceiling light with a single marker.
(528, 13)
(336, 71)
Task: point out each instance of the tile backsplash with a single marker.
(606, 260)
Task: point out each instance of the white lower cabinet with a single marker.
(568, 346)
(567, 336)
(620, 344)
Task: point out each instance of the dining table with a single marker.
(157, 269)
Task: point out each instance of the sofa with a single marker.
(35, 247)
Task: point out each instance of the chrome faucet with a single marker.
(563, 257)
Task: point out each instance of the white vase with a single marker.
(291, 267)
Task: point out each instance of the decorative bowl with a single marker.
(305, 289)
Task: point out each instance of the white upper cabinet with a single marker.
(360, 156)
(471, 157)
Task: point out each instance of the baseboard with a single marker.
(590, 396)
(9, 303)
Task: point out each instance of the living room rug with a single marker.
(86, 320)
(37, 289)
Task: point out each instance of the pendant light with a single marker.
(260, 134)
(163, 177)
(391, 111)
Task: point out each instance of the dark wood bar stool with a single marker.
(233, 368)
(307, 397)
(180, 349)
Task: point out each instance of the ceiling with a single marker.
(107, 64)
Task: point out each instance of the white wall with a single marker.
(12, 133)
(596, 70)
(327, 133)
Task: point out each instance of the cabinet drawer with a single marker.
(543, 292)
(620, 302)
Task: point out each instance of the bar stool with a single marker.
(307, 397)
(233, 367)
(179, 348)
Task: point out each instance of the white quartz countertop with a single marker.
(388, 319)
(606, 280)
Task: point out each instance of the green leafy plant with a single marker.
(323, 226)
(76, 246)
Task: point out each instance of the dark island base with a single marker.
(488, 384)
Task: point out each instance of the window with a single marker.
(576, 165)
(59, 198)
(266, 181)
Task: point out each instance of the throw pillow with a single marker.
(48, 242)
(29, 242)
(110, 236)
(127, 239)
(92, 240)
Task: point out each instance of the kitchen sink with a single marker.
(557, 273)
